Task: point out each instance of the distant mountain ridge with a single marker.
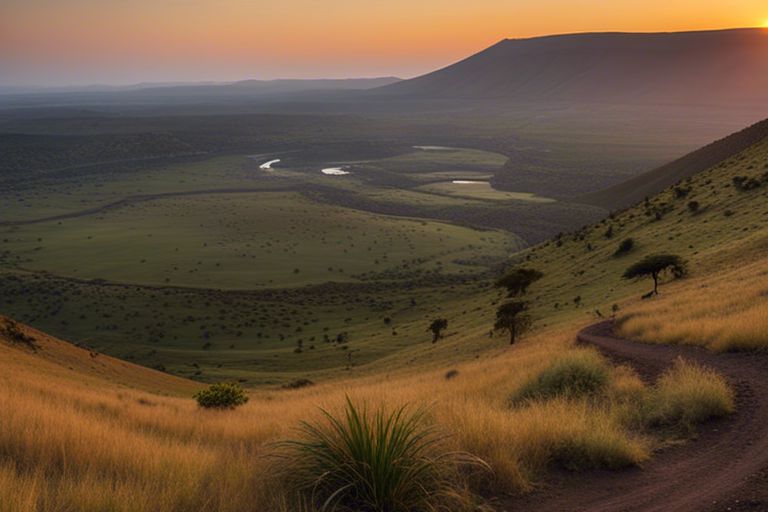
(710, 67)
(257, 87)
(278, 86)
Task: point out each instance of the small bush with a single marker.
(624, 247)
(688, 394)
(298, 384)
(221, 396)
(745, 183)
(451, 374)
(576, 374)
(379, 462)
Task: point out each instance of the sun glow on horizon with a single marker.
(60, 42)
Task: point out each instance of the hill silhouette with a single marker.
(725, 67)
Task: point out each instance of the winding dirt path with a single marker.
(724, 469)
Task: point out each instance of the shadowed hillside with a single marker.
(653, 182)
(716, 67)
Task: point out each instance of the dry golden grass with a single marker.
(687, 394)
(72, 441)
(725, 311)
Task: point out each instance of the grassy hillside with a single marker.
(40, 353)
(714, 219)
(75, 437)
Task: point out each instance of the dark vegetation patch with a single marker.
(13, 332)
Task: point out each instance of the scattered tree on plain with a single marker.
(655, 265)
(437, 327)
(512, 318)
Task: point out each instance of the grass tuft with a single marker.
(576, 374)
(374, 461)
(688, 394)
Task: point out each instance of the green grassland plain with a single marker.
(237, 305)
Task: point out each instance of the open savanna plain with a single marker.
(219, 268)
(315, 289)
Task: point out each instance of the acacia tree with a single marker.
(512, 318)
(437, 327)
(518, 281)
(655, 265)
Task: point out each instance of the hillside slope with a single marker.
(650, 183)
(30, 350)
(727, 67)
(715, 219)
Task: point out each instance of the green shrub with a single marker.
(578, 373)
(377, 462)
(221, 396)
(624, 247)
(688, 394)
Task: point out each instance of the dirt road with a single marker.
(724, 469)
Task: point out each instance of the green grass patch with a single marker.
(578, 373)
(247, 241)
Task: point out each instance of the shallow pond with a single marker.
(335, 171)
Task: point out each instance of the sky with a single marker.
(77, 42)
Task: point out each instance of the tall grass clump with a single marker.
(379, 461)
(688, 394)
(576, 374)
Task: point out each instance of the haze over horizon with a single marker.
(82, 42)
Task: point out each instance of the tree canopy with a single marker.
(654, 265)
(518, 281)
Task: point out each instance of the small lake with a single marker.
(335, 171)
(268, 165)
(434, 148)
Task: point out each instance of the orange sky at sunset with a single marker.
(54, 42)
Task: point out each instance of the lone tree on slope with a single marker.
(655, 265)
(512, 318)
(518, 281)
(437, 327)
